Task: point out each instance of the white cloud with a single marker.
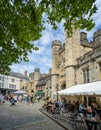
(45, 39)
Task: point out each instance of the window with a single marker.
(15, 87)
(86, 75)
(99, 70)
(1, 78)
(10, 86)
(13, 80)
(1, 85)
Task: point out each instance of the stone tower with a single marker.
(36, 77)
(73, 50)
(55, 67)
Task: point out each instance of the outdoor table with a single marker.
(84, 109)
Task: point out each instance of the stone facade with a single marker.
(76, 61)
(33, 80)
(40, 84)
(43, 86)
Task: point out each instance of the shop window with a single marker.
(13, 80)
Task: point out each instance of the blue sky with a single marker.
(42, 58)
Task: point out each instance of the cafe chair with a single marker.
(77, 121)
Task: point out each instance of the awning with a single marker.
(20, 92)
(93, 88)
(40, 93)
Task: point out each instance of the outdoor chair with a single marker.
(56, 113)
(65, 113)
(77, 121)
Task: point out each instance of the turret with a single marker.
(36, 74)
(56, 45)
(72, 52)
(84, 41)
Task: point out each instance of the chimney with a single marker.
(25, 73)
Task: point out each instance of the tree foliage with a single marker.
(22, 21)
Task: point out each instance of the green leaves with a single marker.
(22, 22)
(74, 13)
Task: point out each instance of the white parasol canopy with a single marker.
(93, 88)
(20, 92)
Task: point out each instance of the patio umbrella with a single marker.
(20, 92)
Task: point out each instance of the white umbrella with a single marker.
(20, 92)
(93, 88)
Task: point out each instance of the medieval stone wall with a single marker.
(77, 54)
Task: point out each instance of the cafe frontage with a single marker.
(89, 92)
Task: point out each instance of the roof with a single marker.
(93, 88)
(18, 75)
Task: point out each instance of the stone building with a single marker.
(24, 80)
(77, 61)
(40, 84)
(43, 86)
(33, 80)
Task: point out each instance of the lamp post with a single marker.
(47, 92)
(57, 87)
(47, 98)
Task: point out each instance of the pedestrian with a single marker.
(11, 100)
(28, 99)
(32, 99)
(15, 99)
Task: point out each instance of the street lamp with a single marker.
(47, 92)
(57, 87)
(47, 98)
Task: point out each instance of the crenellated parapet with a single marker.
(62, 48)
(83, 36)
(84, 41)
(97, 38)
(37, 70)
(56, 42)
(93, 44)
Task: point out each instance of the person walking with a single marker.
(28, 99)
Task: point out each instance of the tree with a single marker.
(22, 21)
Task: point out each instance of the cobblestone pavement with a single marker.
(25, 117)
